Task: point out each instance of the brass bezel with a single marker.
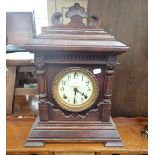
(75, 108)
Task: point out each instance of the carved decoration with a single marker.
(76, 10)
(111, 61)
(73, 114)
(108, 85)
(94, 21)
(56, 18)
(72, 58)
(76, 13)
(39, 61)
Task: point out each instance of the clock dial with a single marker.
(75, 89)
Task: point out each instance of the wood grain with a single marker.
(25, 91)
(74, 153)
(25, 106)
(30, 153)
(11, 75)
(127, 21)
(17, 130)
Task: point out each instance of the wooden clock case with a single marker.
(74, 45)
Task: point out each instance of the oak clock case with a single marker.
(74, 99)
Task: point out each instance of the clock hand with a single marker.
(85, 96)
(75, 90)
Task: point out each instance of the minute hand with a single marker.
(85, 96)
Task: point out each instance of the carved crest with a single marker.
(76, 10)
(76, 13)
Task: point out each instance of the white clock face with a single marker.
(75, 89)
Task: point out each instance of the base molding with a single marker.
(73, 131)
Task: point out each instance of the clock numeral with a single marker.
(82, 77)
(68, 100)
(89, 89)
(75, 75)
(62, 88)
(63, 82)
(69, 77)
(87, 83)
(82, 99)
(64, 96)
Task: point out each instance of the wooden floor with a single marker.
(130, 131)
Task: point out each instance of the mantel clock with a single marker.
(75, 68)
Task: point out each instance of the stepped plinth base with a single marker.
(73, 131)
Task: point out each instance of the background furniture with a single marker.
(20, 27)
(17, 63)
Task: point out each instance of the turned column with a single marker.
(42, 90)
(108, 85)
